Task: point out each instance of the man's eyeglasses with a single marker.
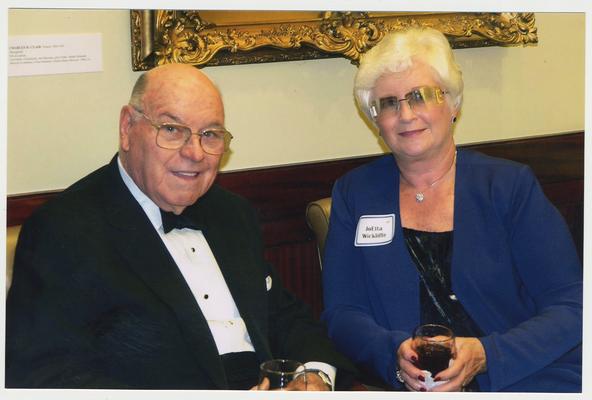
(418, 99)
(174, 136)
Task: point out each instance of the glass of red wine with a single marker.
(434, 345)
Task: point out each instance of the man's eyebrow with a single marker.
(173, 117)
(213, 124)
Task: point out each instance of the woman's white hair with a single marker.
(397, 52)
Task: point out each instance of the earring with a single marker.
(453, 119)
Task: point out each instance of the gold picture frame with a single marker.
(208, 38)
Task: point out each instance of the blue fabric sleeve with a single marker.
(348, 312)
(548, 267)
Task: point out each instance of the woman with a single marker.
(440, 235)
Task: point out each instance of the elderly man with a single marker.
(144, 274)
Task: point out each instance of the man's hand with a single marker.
(263, 385)
(313, 383)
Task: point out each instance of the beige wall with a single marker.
(61, 127)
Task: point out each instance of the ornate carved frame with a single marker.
(206, 38)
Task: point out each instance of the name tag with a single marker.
(375, 230)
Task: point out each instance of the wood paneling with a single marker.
(281, 194)
(20, 207)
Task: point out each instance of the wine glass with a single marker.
(282, 375)
(434, 345)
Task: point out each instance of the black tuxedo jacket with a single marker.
(98, 302)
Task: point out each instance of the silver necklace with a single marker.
(419, 196)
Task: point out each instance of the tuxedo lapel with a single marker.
(144, 252)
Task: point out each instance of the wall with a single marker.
(61, 127)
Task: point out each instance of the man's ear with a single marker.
(125, 124)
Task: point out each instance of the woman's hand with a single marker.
(469, 361)
(412, 376)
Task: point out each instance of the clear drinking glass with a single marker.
(434, 345)
(282, 375)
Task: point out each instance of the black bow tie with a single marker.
(171, 221)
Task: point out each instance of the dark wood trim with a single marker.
(554, 158)
(281, 194)
(277, 191)
(20, 207)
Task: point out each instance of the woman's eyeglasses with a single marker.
(418, 99)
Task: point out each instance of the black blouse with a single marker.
(432, 254)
